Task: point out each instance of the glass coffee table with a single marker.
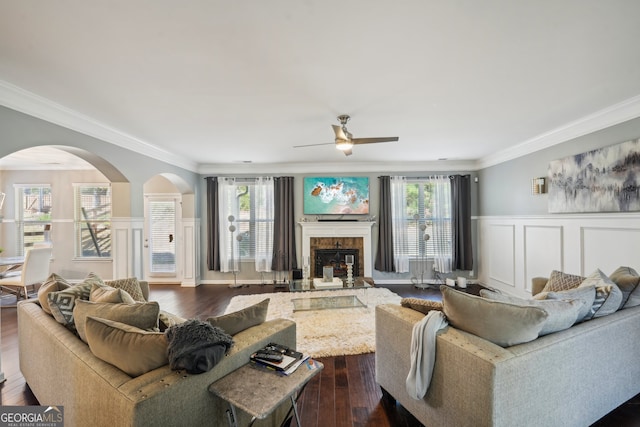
(309, 302)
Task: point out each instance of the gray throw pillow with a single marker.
(562, 314)
(61, 303)
(501, 323)
(238, 321)
(586, 293)
(608, 295)
(627, 279)
(421, 305)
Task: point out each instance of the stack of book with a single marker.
(279, 358)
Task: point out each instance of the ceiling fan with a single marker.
(344, 139)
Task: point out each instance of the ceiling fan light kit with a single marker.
(344, 139)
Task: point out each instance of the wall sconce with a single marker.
(538, 186)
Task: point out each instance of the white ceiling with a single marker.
(211, 84)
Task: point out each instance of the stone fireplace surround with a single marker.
(348, 233)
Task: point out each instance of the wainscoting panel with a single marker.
(502, 254)
(514, 249)
(542, 250)
(622, 248)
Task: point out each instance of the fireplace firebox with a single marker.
(336, 259)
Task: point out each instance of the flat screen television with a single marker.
(338, 195)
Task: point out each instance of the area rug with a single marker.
(323, 333)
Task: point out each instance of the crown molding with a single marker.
(21, 100)
(607, 117)
(356, 167)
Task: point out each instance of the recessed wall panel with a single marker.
(502, 254)
(543, 251)
(609, 248)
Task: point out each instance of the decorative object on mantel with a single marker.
(602, 180)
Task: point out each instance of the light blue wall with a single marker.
(19, 131)
(505, 189)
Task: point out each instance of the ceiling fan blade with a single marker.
(374, 140)
(339, 133)
(313, 145)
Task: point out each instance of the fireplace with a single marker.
(335, 258)
(350, 235)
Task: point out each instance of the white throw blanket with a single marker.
(423, 353)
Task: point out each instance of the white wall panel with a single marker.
(502, 254)
(543, 251)
(608, 248)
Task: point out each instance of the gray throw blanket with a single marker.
(196, 346)
(423, 353)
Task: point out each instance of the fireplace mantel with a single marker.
(339, 229)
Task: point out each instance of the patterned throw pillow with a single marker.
(608, 295)
(421, 305)
(62, 302)
(560, 281)
(130, 285)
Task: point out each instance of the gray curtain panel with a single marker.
(284, 227)
(384, 255)
(461, 222)
(213, 219)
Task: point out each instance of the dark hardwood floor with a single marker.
(344, 394)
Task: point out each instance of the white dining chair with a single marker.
(35, 270)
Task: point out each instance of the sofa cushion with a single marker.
(108, 294)
(627, 279)
(54, 283)
(586, 293)
(167, 320)
(130, 349)
(608, 295)
(562, 314)
(240, 320)
(62, 302)
(502, 323)
(421, 305)
(559, 281)
(130, 285)
(140, 315)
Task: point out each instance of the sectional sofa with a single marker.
(61, 369)
(568, 378)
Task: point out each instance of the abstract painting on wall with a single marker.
(602, 180)
(336, 195)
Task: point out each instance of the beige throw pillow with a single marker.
(54, 283)
(130, 349)
(561, 314)
(559, 281)
(501, 323)
(421, 305)
(240, 320)
(130, 285)
(627, 279)
(140, 315)
(108, 294)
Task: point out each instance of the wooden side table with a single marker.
(259, 392)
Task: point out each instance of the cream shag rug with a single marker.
(324, 333)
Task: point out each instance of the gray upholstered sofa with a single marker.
(60, 369)
(568, 378)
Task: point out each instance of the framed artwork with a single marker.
(336, 195)
(602, 180)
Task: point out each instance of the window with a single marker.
(33, 215)
(92, 220)
(250, 204)
(428, 209)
